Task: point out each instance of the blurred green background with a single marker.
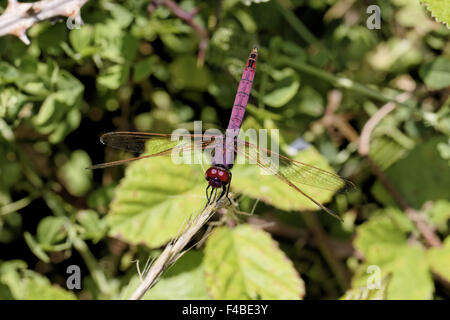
(321, 75)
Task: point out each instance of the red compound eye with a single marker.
(223, 176)
(211, 173)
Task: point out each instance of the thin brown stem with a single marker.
(363, 141)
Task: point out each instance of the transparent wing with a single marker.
(152, 144)
(293, 172)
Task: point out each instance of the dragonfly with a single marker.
(225, 148)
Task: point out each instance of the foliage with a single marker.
(132, 67)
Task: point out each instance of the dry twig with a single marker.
(19, 17)
(173, 251)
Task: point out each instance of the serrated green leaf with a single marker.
(436, 74)
(245, 263)
(247, 179)
(383, 243)
(184, 281)
(47, 111)
(380, 240)
(411, 278)
(440, 10)
(439, 259)
(155, 199)
(363, 292)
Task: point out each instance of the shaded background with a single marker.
(153, 66)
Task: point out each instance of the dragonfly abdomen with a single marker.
(243, 92)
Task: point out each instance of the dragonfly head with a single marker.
(217, 177)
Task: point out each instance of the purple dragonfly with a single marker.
(291, 172)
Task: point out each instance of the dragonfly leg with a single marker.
(224, 191)
(208, 195)
(228, 188)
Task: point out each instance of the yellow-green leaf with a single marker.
(247, 179)
(25, 284)
(155, 199)
(440, 10)
(383, 243)
(439, 259)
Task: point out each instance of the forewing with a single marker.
(152, 144)
(293, 170)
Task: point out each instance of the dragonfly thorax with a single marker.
(217, 176)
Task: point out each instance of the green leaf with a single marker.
(155, 199)
(51, 230)
(35, 247)
(423, 185)
(286, 88)
(279, 97)
(94, 228)
(74, 175)
(100, 198)
(113, 77)
(440, 10)
(114, 43)
(184, 281)
(394, 55)
(439, 259)
(186, 75)
(440, 214)
(8, 73)
(81, 39)
(245, 263)
(310, 102)
(10, 225)
(143, 69)
(383, 243)
(249, 180)
(11, 102)
(436, 74)
(380, 240)
(411, 278)
(122, 16)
